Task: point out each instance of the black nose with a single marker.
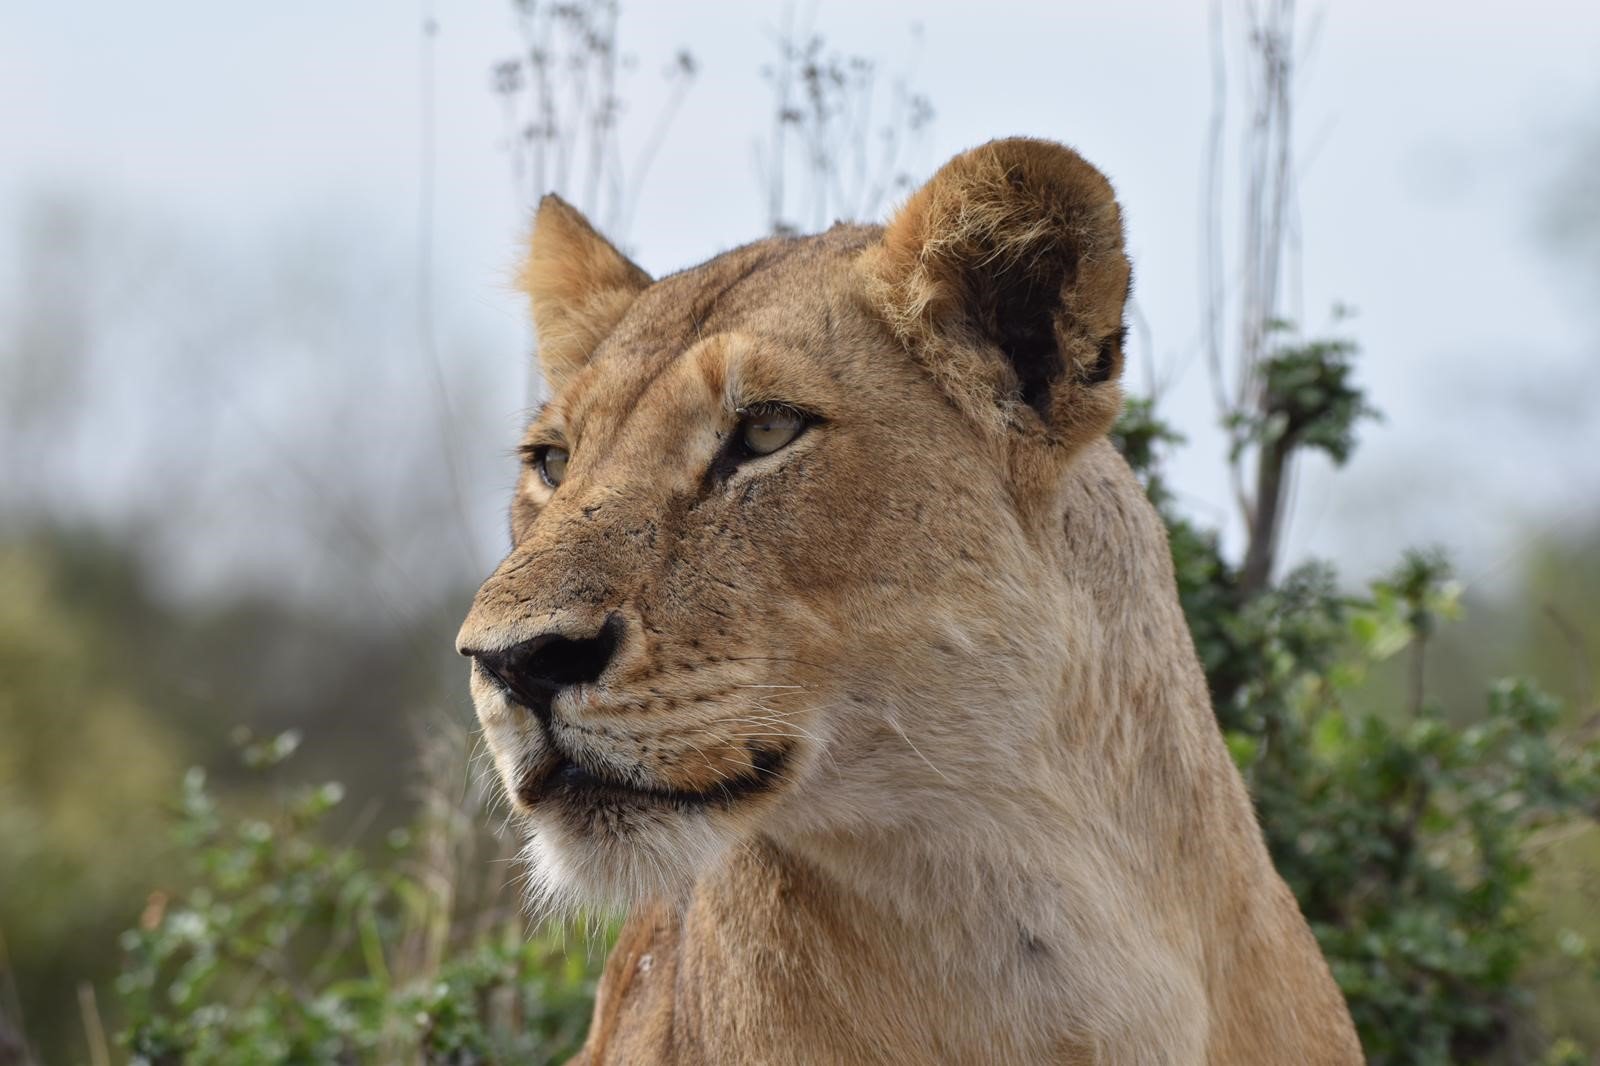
(535, 670)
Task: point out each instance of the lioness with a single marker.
(838, 643)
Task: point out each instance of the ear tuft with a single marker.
(578, 285)
(1006, 275)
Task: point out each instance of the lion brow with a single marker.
(536, 412)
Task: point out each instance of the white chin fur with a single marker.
(653, 854)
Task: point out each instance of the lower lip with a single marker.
(572, 783)
(571, 776)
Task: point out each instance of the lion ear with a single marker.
(579, 286)
(1005, 274)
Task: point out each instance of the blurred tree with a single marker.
(75, 868)
(1274, 390)
(108, 688)
(1570, 211)
(241, 419)
(1545, 623)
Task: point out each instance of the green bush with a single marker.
(288, 949)
(1407, 832)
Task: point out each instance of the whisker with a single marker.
(770, 659)
(783, 729)
(706, 759)
(906, 737)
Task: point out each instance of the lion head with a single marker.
(789, 530)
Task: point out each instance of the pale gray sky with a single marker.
(1430, 131)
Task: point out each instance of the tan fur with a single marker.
(1004, 828)
(578, 287)
(1045, 218)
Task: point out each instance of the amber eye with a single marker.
(552, 464)
(765, 429)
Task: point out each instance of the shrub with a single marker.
(288, 949)
(1407, 831)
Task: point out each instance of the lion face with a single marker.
(777, 550)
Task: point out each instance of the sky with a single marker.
(1430, 135)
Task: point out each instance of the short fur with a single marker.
(976, 806)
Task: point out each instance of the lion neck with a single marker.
(1016, 937)
(1105, 899)
(1018, 906)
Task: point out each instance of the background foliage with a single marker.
(1409, 829)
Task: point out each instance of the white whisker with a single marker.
(905, 737)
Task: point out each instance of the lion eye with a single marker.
(763, 430)
(553, 465)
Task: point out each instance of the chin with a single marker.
(610, 856)
(603, 835)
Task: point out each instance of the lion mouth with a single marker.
(568, 782)
(564, 778)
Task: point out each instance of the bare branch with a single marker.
(849, 148)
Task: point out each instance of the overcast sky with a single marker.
(1430, 133)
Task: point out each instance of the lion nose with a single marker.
(536, 669)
